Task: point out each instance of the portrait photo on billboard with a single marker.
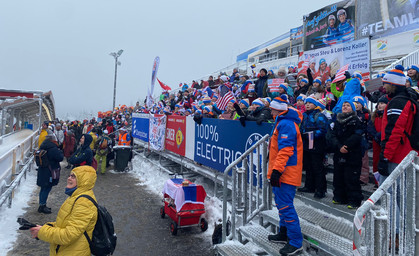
(333, 24)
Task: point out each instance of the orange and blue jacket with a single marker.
(124, 140)
(286, 148)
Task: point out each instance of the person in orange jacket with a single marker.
(284, 173)
(124, 138)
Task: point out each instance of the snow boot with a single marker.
(290, 250)
(44, 209)
(281, 237)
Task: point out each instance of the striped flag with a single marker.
(340, 75)
(222, 101)
(310, 140)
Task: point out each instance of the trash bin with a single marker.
(122, 157)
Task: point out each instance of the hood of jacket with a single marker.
(87, 140)
(47, 144)
(293, 115)
(86, 178)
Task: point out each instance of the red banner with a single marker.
(175, 134)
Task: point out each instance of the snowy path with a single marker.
(13, 140)
(133, 199)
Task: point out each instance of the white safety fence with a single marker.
(387, 223)
(14, 163)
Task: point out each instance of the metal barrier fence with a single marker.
(249, 186)
(14, 164)
(390, 215)
(407, 61)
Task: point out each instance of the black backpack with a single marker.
(41, 158)
(103, 240)
(414, 133)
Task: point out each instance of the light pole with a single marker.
(116, 56)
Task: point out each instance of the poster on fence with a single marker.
(379, 18)
(218, 143)
(333, 24)
(157, 132)
(325, 62)
(140, 126)
(176, 134)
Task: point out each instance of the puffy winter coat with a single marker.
(83, 155)
(73, 219)
(286, 148)
(42, 136)
(316, 122)
(69, 143)
(261, 114)
(55, 156)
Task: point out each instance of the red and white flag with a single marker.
(223, 101)
(340, 75)
(164, 86)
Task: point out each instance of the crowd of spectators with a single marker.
(338, 119)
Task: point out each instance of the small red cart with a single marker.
(184, 204)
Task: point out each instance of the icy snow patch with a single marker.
(8, 216)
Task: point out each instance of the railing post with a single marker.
(247, 200)
(380, 224)
(415, 211)
(233, 202)
(410, 209)
(265, 186)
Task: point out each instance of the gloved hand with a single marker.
(24, 224)
(275, 176)
(242, 120)
(197, 119)
(383, 166)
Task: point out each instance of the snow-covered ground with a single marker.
(8, 216)
(150, 176)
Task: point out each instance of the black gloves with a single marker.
(275, 176)
(383, 166)
(197, 119)
(242, 120)
(24, 224)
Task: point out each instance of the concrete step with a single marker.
(232, 248)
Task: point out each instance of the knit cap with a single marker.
(321, 103)
(311, 99)
(283, 86)
(258, 102)
(245, 102)
(279, 104)
(301, 97)
(383, 99)
(395, 77)
(304, 80)
(208, 108)
(206, 100)
(360, 100)
(317, 80)
(415, 67)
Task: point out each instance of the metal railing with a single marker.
(407, 61)
(249, 186)
(14, 164)
(390, 215)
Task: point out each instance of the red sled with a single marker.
(184, 204)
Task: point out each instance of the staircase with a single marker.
(327, 228)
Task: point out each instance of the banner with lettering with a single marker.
(140, 126)
(325, 62)
(176, 134)
(378, 18)
(333, 24)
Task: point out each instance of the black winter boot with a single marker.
(290, 250)
(281, 237)
(44, 209)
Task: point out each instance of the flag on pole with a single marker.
(223, 101)
(153, 80)
(164, 86)
(310, 140)
(340, 75)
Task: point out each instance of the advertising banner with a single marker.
(175, 134)
(190, 138)
(140, 126)
(378, 18)
(325, 62)
(333, 24)
(395, 45)
(296, 33)
(219, 142)
(157, 132)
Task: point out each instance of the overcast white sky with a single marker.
(64, 46)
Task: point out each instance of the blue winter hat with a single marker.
(322, 61)
(301, 97)
(351, 103)
(268, 99)
(317, 80)
(258, 102)
(311, 100)
(415, 67)
(328, 80)
(283, 86)
(304, 80)
(359, 99)
(245, 102)
(408, 79)
(357, 75)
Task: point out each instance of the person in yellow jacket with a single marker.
(66, 235)
(43, 134)
(93, 133)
